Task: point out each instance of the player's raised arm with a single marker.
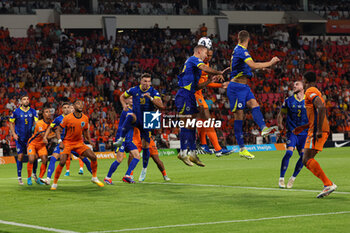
(259, 65)
(209, 70)
(321, 112)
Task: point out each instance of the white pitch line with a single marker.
(222, 222)
(216, 186)
(36, 227)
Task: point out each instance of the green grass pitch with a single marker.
(227, 195)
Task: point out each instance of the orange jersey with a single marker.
(74, 127)
(204, 78)
(38, 135)
(310, 95)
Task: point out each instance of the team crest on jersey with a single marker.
(30, 150)
(40, 128)
(21, 115)
(82, 124)
(30, 115)
(18, 150)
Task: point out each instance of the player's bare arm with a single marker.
(12, 129)
(261, 65)
(209, 70)
(156, 101)
(321, 112)
(58, 136)
(280, 118)
(46, 135)
(300, 129)
(123, 98)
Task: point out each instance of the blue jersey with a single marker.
(56, 123)
(129, 135)
(141, 103)
(190, 75)
(239, 67)
(296, 113)
(24, 122)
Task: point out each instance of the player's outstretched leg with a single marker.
(127, 125)
(311, 164)
(145, 159)
(136, 158)
(160, 166)
(238, 128)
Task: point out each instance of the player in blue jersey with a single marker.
(186, 103)
(21, 125)
(66, 109)
(239, 93)
(145, 99)
(127, 146)
(294, 108)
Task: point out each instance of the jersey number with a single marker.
(142, 101)
(299, 112)
(26, 121)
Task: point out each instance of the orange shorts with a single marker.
(317, 144)
(39, 150)
(201, 101)
(152, 147)
(78, 147)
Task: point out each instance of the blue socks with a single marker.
(127, 125)
(258, 117)
(188, 139)
(183, 138)
(19, 168)
(145, 157)
(132, 166)
(192, 139)
(51, 166)
(112, 169)
(238, 125)
(299, 165)
(285, 162)
(87, 164)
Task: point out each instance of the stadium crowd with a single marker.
(53, 66)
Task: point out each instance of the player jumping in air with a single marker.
(239, 93)
(185, 100)
(145, 99)
(76, 125)
(318, 132)
(294, 108)
(127, 146)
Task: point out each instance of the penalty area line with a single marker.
(223, 222)
(36, 227)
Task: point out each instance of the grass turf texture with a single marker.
(78, 205)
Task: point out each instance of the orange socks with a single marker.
(164, 173)
(316, 169)
(213, 138)
(42, 170)
(30, 169)
(81, 163)
(57, 173)
(94, 168)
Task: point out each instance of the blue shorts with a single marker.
(127, 147)
(238, 94)
(58, 151)
(185, 102)
(21, 146)
(296, 141)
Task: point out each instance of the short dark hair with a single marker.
(46, 106)
(76, 100)
(243, 36)
(22, 96)
(146, 75)
(310, 77)
(66, 103)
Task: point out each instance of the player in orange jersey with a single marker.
(76, 125)
(204, 113)
(318, 131)
(37, 147)
(153, 152)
